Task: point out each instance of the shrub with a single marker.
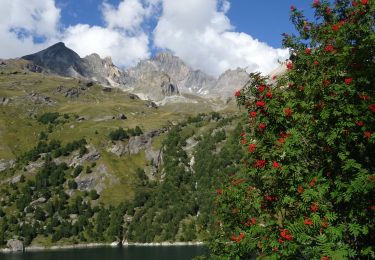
(93, 195)
(118, 134)
(48, 118)
(306, 189)
(88, 169)
(77, 170)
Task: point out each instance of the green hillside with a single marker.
(91, 163)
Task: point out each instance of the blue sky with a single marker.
(211, 35)
(265, 20)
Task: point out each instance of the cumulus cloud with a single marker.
(198, 31)
(129, 15)
(21, 22)
(30, 26)
(125, 51)
(202, 35)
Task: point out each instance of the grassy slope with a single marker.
(19, 129)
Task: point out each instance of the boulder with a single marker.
(133, 96)
(34, 68)
(38, 201)
(96, 180)
(15, 245)
(89, 84)
(4, 101)
(151, 104)
(91, 156)
(137, 143)
(4, 164)
(68, 92)
(82, 118)
(121, 116)
(39, 99)
(118, 148)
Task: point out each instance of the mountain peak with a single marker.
(59, 59)
(59, 44)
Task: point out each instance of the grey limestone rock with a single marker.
(73, 92)
(4, 164)
(39, 99)
(15, 245)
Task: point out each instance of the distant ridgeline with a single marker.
(175, 204)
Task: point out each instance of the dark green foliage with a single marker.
(77, 170)
(306, 188)
(138, 131)
(88, 169)
(102, 222)
(119, 134)
(82, 150)
(48, 118)
(39, 214)
(43, 136)
(93, 195)
(72, 184)
(215, 116)
(54, 147)
(163, 210)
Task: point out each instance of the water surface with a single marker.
(108, 253)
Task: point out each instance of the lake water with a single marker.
(108, 253)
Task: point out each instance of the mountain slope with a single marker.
(60, 60)
(63, 61)
(79, 163)
(163, 78)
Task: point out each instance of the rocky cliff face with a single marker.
(159, 79)
(60, 60)
(181, 76)
(63, 61)
(229, 82)
(104, 71)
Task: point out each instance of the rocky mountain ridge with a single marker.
(157, 79)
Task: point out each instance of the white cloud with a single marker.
(129, 15)
(201, 34)
(125, 51)
(21, 20)
(198, 31)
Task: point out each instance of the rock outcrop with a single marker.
(166, 75)
(104, 71)
(229, 82)
(15, 245)
(4, 164)
(73, 92)
(92, 156)
(96, 180)
(135, 144)
(4, 101)
(39, 99)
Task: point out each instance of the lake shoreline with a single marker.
(97, 245)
